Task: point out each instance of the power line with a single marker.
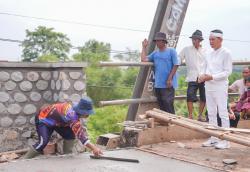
(111, 51)
(74, 22)
(77, 47)
(10, 40)
(100, 26)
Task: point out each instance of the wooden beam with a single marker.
(20, 151)
(206, 125)
(143, 100)
(139, 64)
(127, 101)
(113, 64)
(219, 134)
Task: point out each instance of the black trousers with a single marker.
(233, 123)
(165, 98)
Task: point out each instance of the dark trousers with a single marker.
(165, 98)
(233, 123)
(44, 133)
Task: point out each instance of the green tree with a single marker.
(129, 76)
(129, 73)
(93, 52)
(44, 41)
(101, 82)
(105, 121)
(234, 76)
(128, 56)
(48, 58)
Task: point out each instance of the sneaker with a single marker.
(223, 144)
(212, 141)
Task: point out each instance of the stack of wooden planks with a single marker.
(237, 135)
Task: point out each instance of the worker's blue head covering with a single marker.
(84, 107)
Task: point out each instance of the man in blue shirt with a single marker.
(165, 66)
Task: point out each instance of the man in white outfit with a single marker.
(218, 66)
(194, 57)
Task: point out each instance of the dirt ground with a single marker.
(191, 151)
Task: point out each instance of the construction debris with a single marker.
(143, 124)
(8, 157)
(110, 140)
(20, 151)
(229, 161)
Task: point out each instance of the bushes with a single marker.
(105, 121)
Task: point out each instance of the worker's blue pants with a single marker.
(44, 133)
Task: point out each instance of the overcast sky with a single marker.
(133, 17)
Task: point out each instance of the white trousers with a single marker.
(216, 101)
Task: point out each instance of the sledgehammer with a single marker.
(114, 158)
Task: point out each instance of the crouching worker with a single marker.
(64, 118)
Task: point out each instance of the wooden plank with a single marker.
(113, 64)
(151, 99)
(194, 127)
(127, 101)
(206, 125)
(239, 130)
(20, 151)
(110, 140)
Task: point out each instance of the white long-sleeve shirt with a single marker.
(195, 61)
(218, 63)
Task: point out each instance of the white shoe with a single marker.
(223, 144)
(212, 141)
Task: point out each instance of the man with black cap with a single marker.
(194, 57)
(218, 67)
(64, 118)
(165, 65)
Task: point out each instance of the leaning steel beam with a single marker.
(168, 18)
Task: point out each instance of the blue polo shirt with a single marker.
(164, 62)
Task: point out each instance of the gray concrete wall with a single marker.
(25, 87)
